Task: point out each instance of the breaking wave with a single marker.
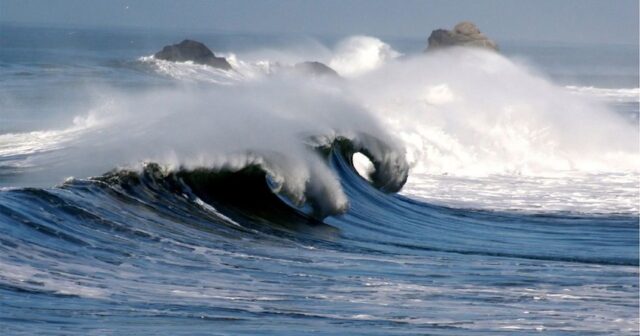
(457, 112)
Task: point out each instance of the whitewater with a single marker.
(449, 192)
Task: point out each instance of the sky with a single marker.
(583, 21)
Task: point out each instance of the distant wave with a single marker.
(189, 71)
(352, 56)
(619, 95)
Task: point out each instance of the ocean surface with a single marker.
(454, 192)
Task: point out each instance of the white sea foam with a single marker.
(477, 113)
(36, 279)
(191, 72)
(574, 192)
(16, 149)
(617, 95)
(269, 124)
(359, 54)
(459, 113)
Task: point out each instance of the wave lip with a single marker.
(390, 169)
(268, 183)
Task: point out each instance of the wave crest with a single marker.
(251, 182)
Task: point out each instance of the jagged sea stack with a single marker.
(464, 34)
(189, 50)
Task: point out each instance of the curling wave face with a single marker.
(277, 126)
(194, 245)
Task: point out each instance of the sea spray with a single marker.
(472, 112)
(462, 112)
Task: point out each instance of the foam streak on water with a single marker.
(574, 193)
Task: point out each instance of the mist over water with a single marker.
(460, 112)
(475, 112)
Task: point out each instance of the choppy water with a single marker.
(203, 218)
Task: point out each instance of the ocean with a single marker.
(452, 192)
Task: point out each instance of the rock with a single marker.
(315, 69)
(466, 28)
(189, 50)
(464, 34)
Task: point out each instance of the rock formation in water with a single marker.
(315, 69)
(464, 34)
(189, 50)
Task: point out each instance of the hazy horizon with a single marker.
(591, 21)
